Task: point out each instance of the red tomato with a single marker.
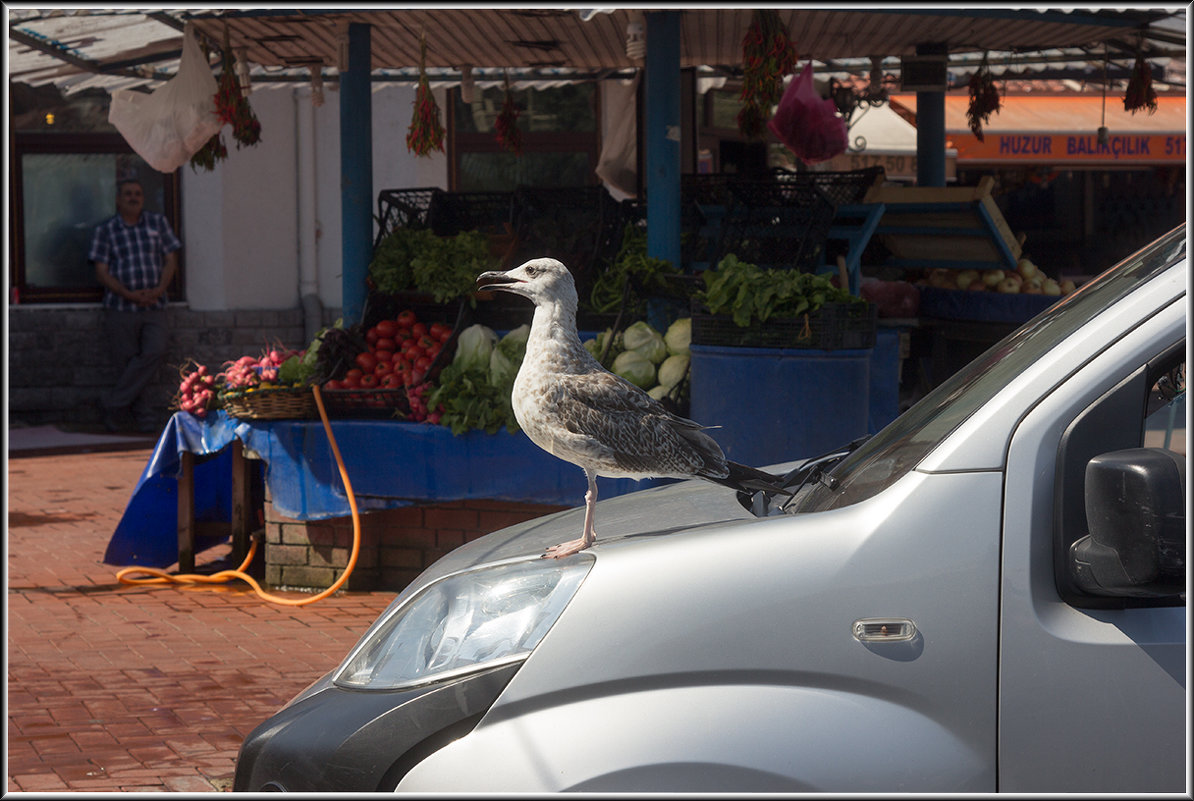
(434, 350)
(402, 335)
(333, 384)
(353, 381)
(422, 363)
(445, 335)
(414, 352)
(387, 328)
(385, 343)
(383, 368)
(366, 360)
(425, 341)
(418, 329)
(396, 357)
(386, 355)
(406, 319)
(372, 335)
(368, 381)
(353, 372)
(438, 330)
(391, 381)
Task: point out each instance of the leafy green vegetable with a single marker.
(506, 358)
(635, 368)
(473, 348)
(471, 402)
(445, 266)
(751, 294)
(646, 274)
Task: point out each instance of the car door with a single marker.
(1092, 694)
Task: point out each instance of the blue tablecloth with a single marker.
(389, 463)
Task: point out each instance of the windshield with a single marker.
(899, 447)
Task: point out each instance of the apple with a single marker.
(1026, 268)
(992, 277)
(1051, 287)
(1019, 279)
(941, 278)
(1008, 286)
(965, 277)
(1032, 287)
(1067, 286)
(977, 285)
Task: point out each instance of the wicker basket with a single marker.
(280, 403)
(835, 326)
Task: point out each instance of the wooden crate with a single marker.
(947, 226)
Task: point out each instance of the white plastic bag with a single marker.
(171, 124)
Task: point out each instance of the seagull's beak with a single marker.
(496, 279)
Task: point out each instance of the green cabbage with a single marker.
(636, 369)
(673, 369)
(506, 358)
(658, 392)
(679, 336)
(474, 347)
(638, 334)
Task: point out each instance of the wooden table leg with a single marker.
(186, 513)
(241, 502)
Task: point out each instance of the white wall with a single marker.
(252, 233)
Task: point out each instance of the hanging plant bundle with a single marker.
(426, 132)
(232, 106)
(768, 56)
(984, 99)
(506, 124)
(1140, 92)
(209, 154)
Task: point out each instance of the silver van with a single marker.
(987, 595)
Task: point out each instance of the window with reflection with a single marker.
(559, 139)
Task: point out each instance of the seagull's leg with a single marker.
(588, 535)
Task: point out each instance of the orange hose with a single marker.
(223, 576)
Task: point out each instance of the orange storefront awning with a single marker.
(1064, 131)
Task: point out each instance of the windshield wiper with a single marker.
(815, 468)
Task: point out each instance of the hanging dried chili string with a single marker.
(984, 98)
(1140, 92)
(768, 55)
(506, 124)
(426, 132)
(233, 108)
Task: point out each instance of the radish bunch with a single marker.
(196, 391)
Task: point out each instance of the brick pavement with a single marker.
(113, 687)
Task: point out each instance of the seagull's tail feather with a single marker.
(751, 479)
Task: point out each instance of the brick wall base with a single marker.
(396, 544)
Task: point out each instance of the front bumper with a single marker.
(340, 740)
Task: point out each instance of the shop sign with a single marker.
(1072, 148)
(896, 165)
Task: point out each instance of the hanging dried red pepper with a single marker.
(506, 124)
(984, 99)
(768, 56)
(426, 132)
(232, 107)
(1140, 92)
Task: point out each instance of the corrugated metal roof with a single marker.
(1052, 114)
(73, 48)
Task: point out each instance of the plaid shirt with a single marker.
(135, 254)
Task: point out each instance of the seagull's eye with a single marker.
(532, 271)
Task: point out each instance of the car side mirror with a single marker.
(1136, 513)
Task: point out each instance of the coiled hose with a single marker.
(156, 576)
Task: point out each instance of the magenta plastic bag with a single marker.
(806, 123)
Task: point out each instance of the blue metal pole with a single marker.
(930, 129)
(356, 172)
(663, 135)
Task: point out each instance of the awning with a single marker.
(880, 137)
(1063, 131)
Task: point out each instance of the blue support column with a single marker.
(930, 128)
(356, 171)
(662, 135)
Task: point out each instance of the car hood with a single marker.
(650, 512)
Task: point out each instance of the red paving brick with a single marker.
(113, 687)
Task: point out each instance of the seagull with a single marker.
(575, 409)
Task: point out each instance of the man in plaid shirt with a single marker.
(135, 255)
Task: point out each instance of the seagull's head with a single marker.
(537, 279)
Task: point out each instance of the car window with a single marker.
(1165, 423)
(898, 448)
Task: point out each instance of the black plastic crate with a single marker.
(835, 326)
(402, 208)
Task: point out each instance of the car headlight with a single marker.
(463, 622)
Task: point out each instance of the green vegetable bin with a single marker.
(777, 405)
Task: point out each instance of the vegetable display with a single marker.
(752, 294)
(474, 390)
(1026, 279)
(417, 259)
(658, 363)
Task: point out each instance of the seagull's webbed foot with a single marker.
(566, 548)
